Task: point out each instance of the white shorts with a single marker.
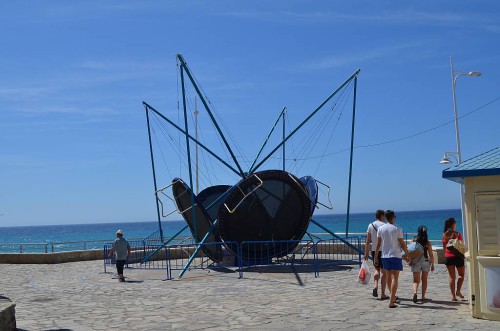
(421, 265)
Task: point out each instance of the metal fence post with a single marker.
(315, 259)
(359, 252)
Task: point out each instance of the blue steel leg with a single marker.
(163, 245)
(351, 157)
(199, 245)
(316, 259)
(240, 257)
(339, 238)
(359, 253)
(105, 251)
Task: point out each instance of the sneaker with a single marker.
(375, 292)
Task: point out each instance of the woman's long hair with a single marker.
(448, 223)
(422, 237)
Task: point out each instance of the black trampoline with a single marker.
(311, 187)
(182, 195)
(280, 209)
(208, 196)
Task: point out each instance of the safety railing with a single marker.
(65, 246)
(278, 254)
(300, 255)
(25, 248)
(138, 250)
(336, 252)
(179, 255)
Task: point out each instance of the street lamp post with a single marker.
(458, 154)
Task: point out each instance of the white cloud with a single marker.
(398, 17)
(10, 92)
(68, 110)
(357, 58)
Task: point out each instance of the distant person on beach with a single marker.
(421, 265)
(390, 242)
(371, 243)
(122, 249)
(453, 261)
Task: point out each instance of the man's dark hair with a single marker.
(389, 214)
(379, 213)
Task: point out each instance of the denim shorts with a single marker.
(421, 264)
(392, 263)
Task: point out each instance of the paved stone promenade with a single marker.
(80, 296)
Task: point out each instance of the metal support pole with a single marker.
(154, 175)
(350, 159)
(186, 128)
(267, 138)
(196, 112)
(336, 236)
(459, 150)
(191, 137)
(455, 111)
(164, 244)
(307, 119)
(205, 104)
(283, 137)
(198, 248)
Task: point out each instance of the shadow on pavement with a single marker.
(431, 304)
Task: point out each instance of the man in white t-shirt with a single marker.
(390, 242)
(371, 243)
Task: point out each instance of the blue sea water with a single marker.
(358, 223)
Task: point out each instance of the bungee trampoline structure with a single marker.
(259, 219)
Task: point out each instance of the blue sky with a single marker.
(73, 139)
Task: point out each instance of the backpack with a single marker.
(416, 250)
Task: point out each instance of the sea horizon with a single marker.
(96, 233)
(180, 219)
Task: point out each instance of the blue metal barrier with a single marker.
(336, 252)
(178, 256)
(300, 255)
(262, 254)
(138, 250)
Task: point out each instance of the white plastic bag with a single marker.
(364, 274)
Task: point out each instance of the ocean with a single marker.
(49, 234)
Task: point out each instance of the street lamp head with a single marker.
(445, 160)
(474, 73)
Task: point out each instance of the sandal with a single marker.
(384, 297)
(393, 306)
(375, 292)
(415, 297)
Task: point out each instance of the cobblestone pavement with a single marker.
(80, 296)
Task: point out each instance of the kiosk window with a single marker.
(488, 224)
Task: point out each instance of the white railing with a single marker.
(63, 246)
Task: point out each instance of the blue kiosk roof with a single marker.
(486, 164)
